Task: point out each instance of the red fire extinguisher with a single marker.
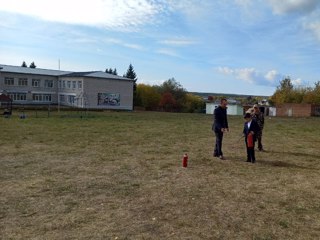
(185, 160)
(250, 140)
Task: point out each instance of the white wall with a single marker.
(232, 109)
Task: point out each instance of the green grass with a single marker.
(119, 175)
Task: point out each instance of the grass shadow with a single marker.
(296, 154)
(277, 163)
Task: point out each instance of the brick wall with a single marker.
(294, 110)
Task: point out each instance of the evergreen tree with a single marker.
(109, 70)
(32, 65)
(24, 64)
(115, 72)
(130, 73)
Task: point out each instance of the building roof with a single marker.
(35, 71)
(57, 73)
(96, 74)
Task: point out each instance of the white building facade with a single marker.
(232, 109)
(93, 90)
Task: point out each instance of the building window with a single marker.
(74, 84)
(71, 99)
(18, 96)
(80, 84)
(8, 81)
(62, 98)
(63, 84)
(68, 84)
(48, 83)
(41, 97)
(47, 97)
(59, 84)
(23, 82)
(35, 82)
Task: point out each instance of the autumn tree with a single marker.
(283, 93)
(194, 103)
(176, 90)
(168, 102)
(313, 94)
(148, 97)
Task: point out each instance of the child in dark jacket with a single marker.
(250, 130)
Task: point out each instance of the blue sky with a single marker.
(218, 46)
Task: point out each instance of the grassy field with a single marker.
(119, 175)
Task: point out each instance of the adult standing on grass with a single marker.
(258, 116)
(219, 126)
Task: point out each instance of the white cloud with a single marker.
(297, 82)
(271, 76)
(178, 42)
(225, 70)
(315, 28)
(293, 6)
(251, 75)
(245, 74)
(115, 14)
(124, 44)
(168, 52)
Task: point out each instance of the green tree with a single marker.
(194, 104)
(114, 72)
(24, 64)
(32, 65)
(148, 97)
(283, 93)
(109, 70)
(312, 95)
(132, 75)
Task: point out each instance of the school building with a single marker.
(92, 90)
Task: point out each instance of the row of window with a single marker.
(8, 81)
(70, 84)
(67, 98)
(37, 97)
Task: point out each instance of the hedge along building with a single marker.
(93, 90)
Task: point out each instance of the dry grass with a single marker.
(119, 176)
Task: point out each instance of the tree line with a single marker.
(170, 96)
(287, 93)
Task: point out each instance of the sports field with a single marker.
(119, 175)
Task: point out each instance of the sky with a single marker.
(216, 46)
